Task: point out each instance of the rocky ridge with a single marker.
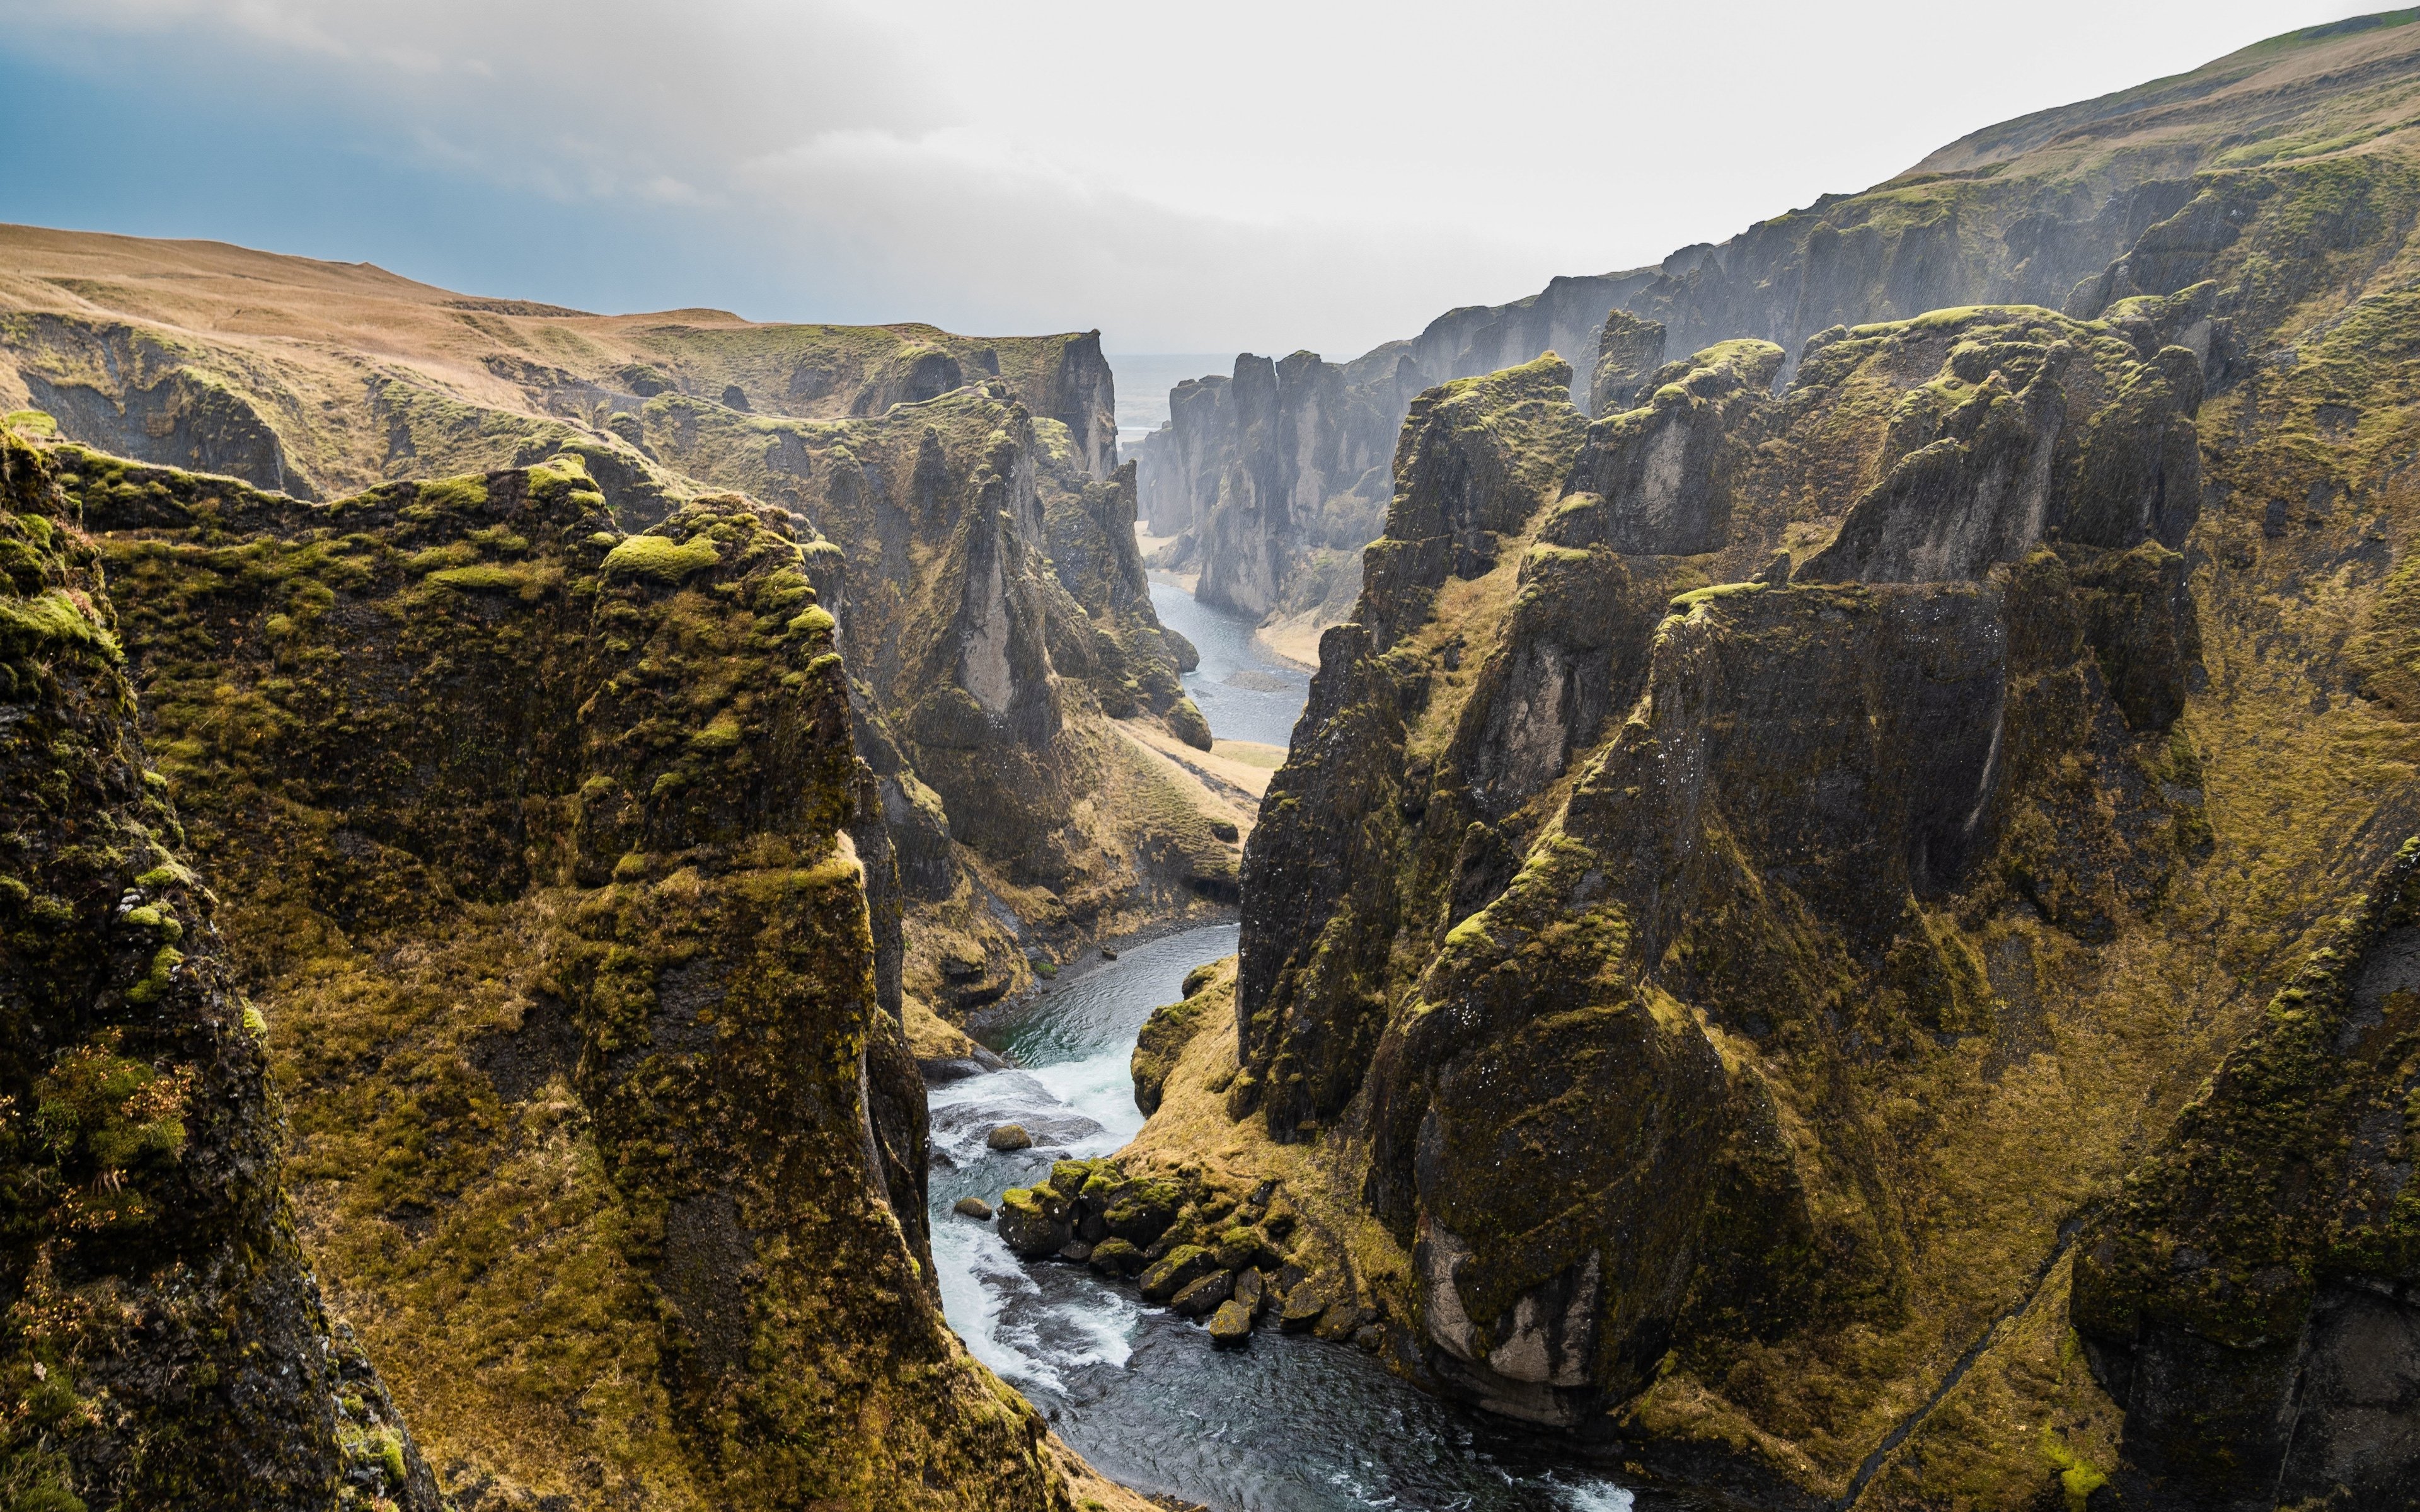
(1735, 952)
(2029, 211)
(546, 854)
(971, 528)
(163, 1341)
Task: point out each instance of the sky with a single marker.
(1209, 176)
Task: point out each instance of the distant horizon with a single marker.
(1205, 191)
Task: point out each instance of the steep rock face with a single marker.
(2031, 211)
(1758, 1085)
(988, 675)
(163, 1343)
(1607, 893)
(2250, 1298)
(537, 842)
(1277, 476)
(1628, 352)
(933, 466)
(1662, 474)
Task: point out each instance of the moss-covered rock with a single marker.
(1601, 867)
(551, 901)
(164, 1343)
(2244, 1296)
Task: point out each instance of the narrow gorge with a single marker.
(1785, 881)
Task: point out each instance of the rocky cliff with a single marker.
(2029, 211)
(163, 1343)
(1766, 871)
(1273, 478)
(946, 478)
(543, 851)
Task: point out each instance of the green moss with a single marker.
(51, 623)
(660, 558)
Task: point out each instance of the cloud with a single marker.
(1268, 172)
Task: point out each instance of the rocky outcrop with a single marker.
(163, 1343)
(1275, 477)
(962, 534)
(2031, 211)
(2250, 1300)
(535, 844)
(1693, 785)
(975, 538)
(1628, 352)
(1748, 913)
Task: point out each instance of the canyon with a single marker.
(1837, 927)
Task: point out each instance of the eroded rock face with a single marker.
(1629, 350)
(2251, 1300)
(1595, 862)
(941, 476)
(1663, 473)
(562, 820)
(164, 1343)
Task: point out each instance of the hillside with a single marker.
(2023, 212)
(1838, 924)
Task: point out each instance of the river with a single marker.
(1243, 693)
(1288, 1424)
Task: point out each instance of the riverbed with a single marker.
(1244, 693)
(1288, 1424)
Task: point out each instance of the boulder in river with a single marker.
(1250, 1289)
(1033, 1222)
(1306, 1303)
(976, 1207)
(1010, 1137)
(1341, 1318)
(1232, 1325)
(1115, 1257)
(1205, 1295)
(1175, 1271)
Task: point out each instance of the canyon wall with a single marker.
(2031, 211)
(1789, 910)
(543, 854)
(163, 1341)
(973, 529)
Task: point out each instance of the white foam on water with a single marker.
(1602, 1497)
(1106, 1324)
(1101, 1087)
(979, 1278)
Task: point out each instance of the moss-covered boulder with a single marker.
(1033, 1222)
(1179, 1267)
(1203, 1295)
(1231, 1326)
